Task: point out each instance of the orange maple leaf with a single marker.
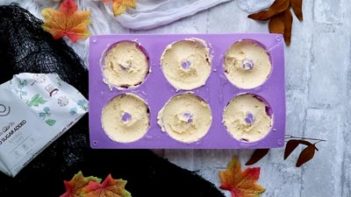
(66, 21)
(77, 183)
(120, 6)
(240, 183)
(108, 188)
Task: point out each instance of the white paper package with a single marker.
(35, 109)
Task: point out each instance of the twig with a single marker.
(305, 138)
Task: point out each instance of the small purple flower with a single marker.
(126, 117)
(186, 64)
(188, 117)
(249, 119)
(247, 64)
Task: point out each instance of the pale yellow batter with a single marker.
(246, 119)
(185, 117)
(247, 64)
(125, 65)
(186, 64)
(125, 118)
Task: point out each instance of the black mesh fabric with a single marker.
(25, 47)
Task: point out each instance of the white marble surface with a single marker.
(318, 83)
(318, 78)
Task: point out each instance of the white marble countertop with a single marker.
(318, 83)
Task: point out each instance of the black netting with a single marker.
(25, 47)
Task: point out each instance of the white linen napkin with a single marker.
(154, 13)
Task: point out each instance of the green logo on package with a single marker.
(36, 101)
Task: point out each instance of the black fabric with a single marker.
(25, 47)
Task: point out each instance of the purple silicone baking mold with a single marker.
(218, 91)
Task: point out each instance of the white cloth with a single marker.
(252, 6)
(148, 14)
(154, 13)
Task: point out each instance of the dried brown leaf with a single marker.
(257, 155)
(277, 7)
(291, 145)
(297, 8)
(276, 24)
(288, 19)
(306, 155)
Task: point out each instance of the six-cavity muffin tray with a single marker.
(218, 91)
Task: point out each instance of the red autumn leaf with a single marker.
(75, 185)
(277, 7)
(240, 183)
(257, 155)
(108, 188)
(306, 155)
(66, 21)
(297, 8)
